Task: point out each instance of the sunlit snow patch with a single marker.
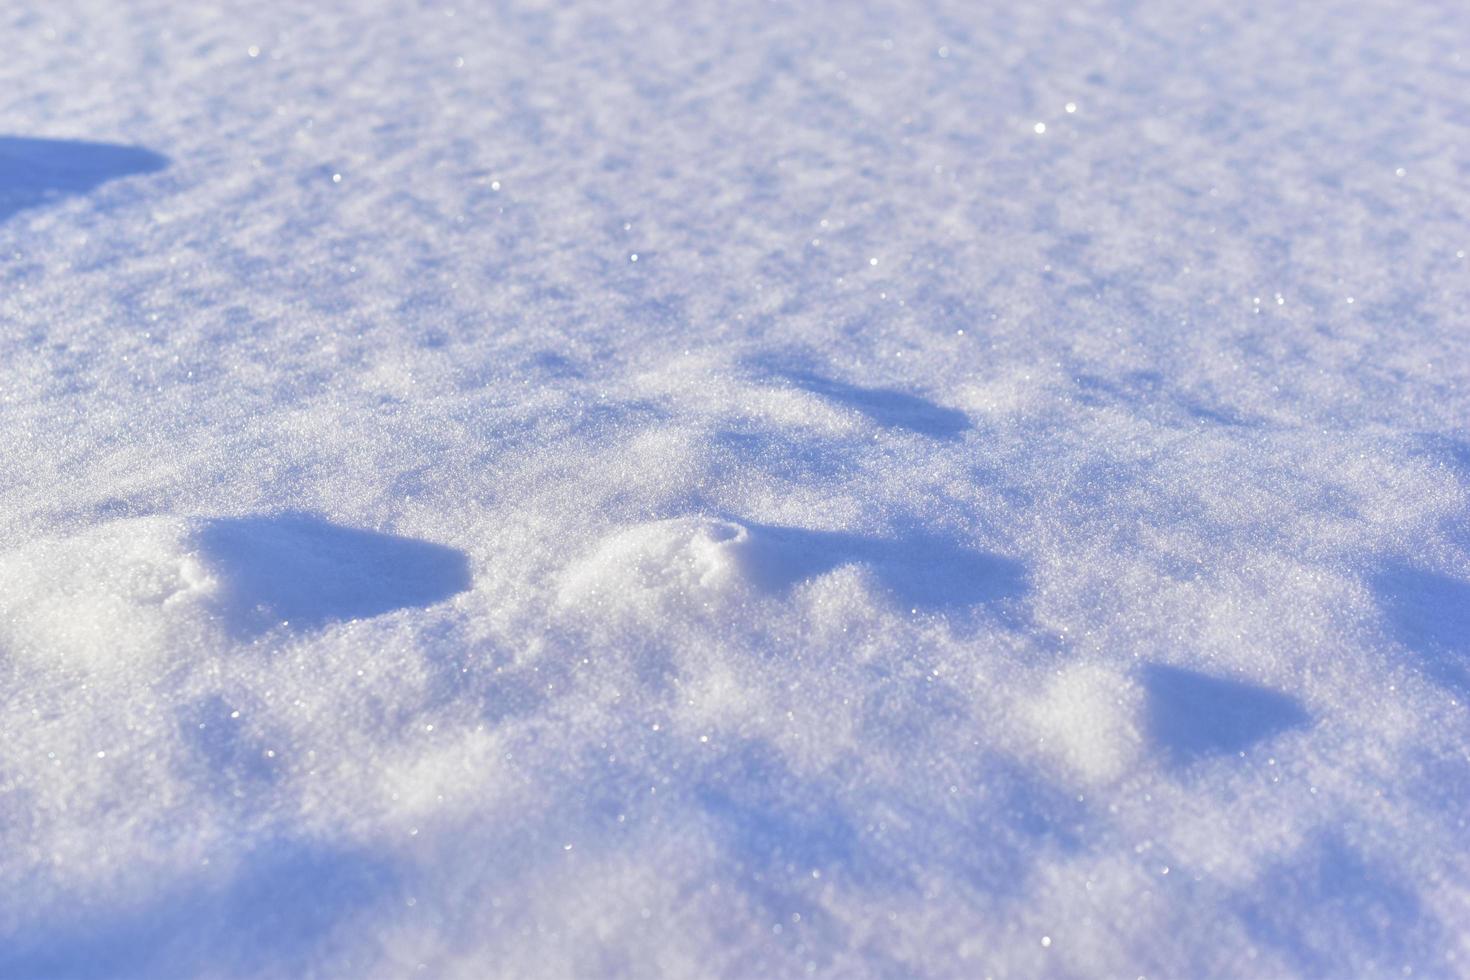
(684, 562)
(108, 596)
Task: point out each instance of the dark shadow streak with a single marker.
(36, 171)
(887, 407)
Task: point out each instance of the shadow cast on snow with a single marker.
(1331, 910)
(1193, 716)
(302, 571)
(775, 826)
(921, 570)
(269, 918)
(886, 407)
(36, 171)
(1430, 614)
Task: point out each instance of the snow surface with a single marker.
(734, 489)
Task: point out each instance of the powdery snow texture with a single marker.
(637, 489)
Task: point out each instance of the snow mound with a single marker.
(685, 563)
(117, 595)
(131, 589)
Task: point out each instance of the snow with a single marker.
(638, 489)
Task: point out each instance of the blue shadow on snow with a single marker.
(269, 918)
(302, 571)
(921, 570)
(1192, 716)
(770, 816)
(223, 756)
(1430, 614)
(35, 171)
(1331, 911)
(887, 407)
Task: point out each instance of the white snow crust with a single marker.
(644, 489)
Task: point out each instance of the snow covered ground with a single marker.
(627, 489)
